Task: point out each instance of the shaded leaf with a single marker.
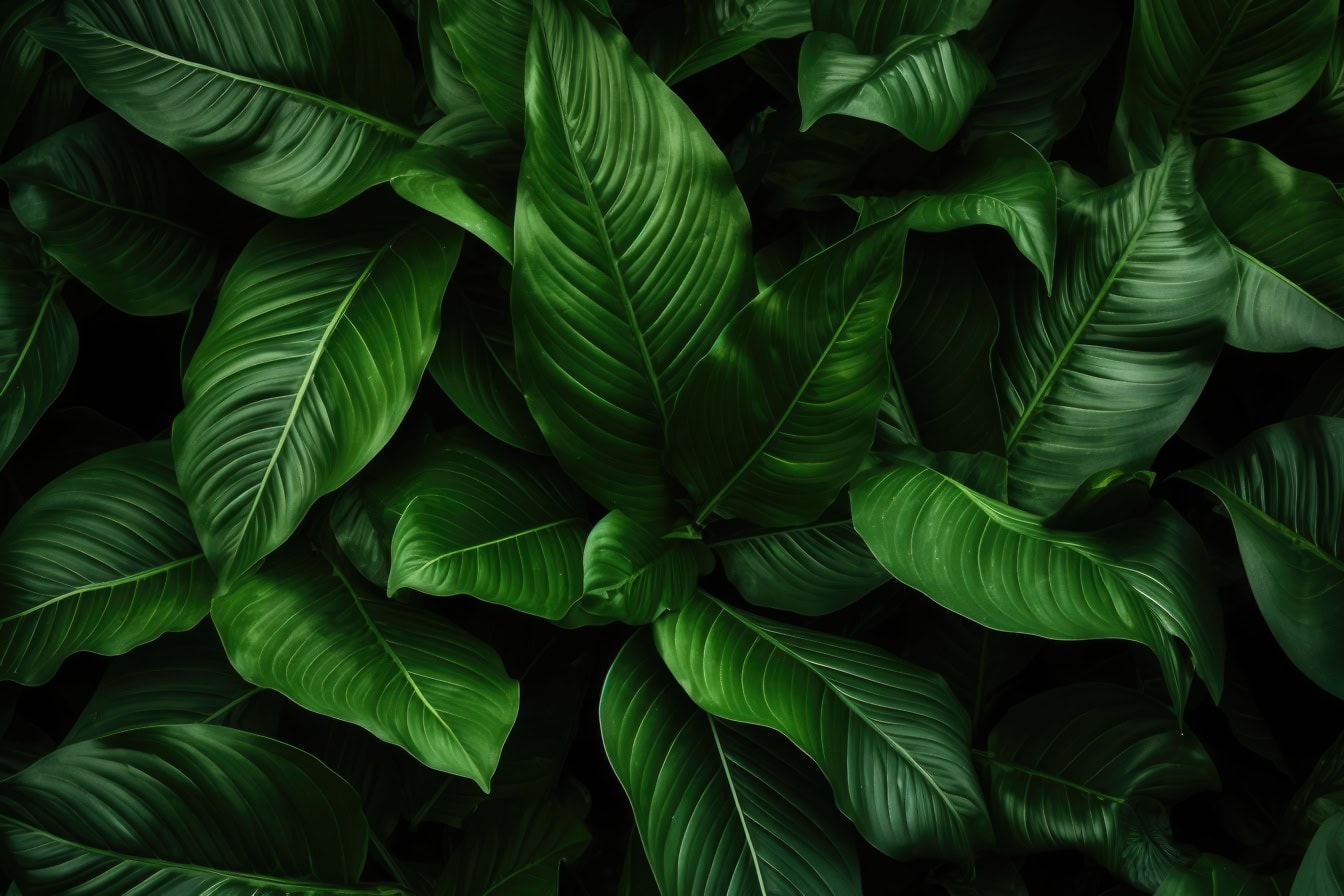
(715, 31)
(632, 574)
(1322, 867)
(20, 60)
(513, 850)
(490, 39)
(1213, 875)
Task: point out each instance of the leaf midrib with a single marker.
(1197, 83)
(512, 536)
(737, 804)
(48, 299)
(1286, 280)
(1027, 770)
(1229, 496)
(100, 586)
(111, 206)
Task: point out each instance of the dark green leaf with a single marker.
(879, 22)
(717, 30)
(1213, 875)
(1324, 392)
(1323, 866)
(20, 60)
(514, 850)
(490, 39)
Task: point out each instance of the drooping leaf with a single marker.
(115, 209)
(720, 808)
(889, 736)
(1103, 372)
(307, 630)
(1287, 228)
(778, 416)
(20, 60)
(498, 525)
(315, 350)
(1213, 875)
(1283, 487)
(297, 107)
(1144, 581)
(632, 255)
(102, 559)
(1322, 867)
(714, 31)
(490, 40)
(514, 850)
(631, 573)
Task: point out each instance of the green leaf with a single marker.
(889, 737)
(1087, 767)
(315, 350)
(490, 40)
(633, 253)
(1281, 485)
(115, 209)
(1103, 372)
(1212, 66)
(20, 60)
(1287, 229)
(443, 72)
(881, 21)
(1323, 866)
(410, 678)
(778, 416)
(102, 559)
(720, 808)
(496, 524)
(358, 535)
(717, 30)
(1213, 875)
(1320, 796)
(181, 809)
(1144, 581)
(632, 574)
(1318, 121)
(513, 850)
(1104, 499)
(296, 107)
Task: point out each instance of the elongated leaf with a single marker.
(778, 416)
(632, 255)
(714, 31)
(1215, 876)
(632, 574)
(1282, 488)
(490, 41)
(114, 209)
(320, 338)
(20, 60)
(297, 107)
(410, 678)
(102, 559)
(1145, 581)
(889, 737)
(512, 850)
(1287, 227)
(720, 808)
(1212, 66)
(1080, 766)
(500, 526)
(1322, 867)
(1103, 372)
(181, 809)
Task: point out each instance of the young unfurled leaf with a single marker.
(632, 574)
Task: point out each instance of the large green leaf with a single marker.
(115, 209)
(490, 39)
(1287, 227)
(297, 106)
(889, 736)
(1212, 66)
(316, 348)
(1146, 580)
(778, 416)
(1088, 767)
(1322, 869)
(20, 60)
(181, 809)
(717, 30)
(632, 254)
(720, 808)
(632, 574)
(496, 524)
(102, 559)
(1284, 488)
(1103, 372)
(513, 850)
(306, 629)
(1213, 875)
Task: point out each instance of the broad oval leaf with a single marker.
(513, 850)
(412, 679)
(181, 809)
(1145, 581)
(102, 559)
(778, 416)
(631, 573)
(20, 59)
(1322, 867)
(499, 525)
(114, 209)
(316, 348)
(631, 255)
(1282, 488)
(889, 736)
(720, 808)
(297, 107)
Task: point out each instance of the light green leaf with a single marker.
(102, 559)
(20, 60)
(1145, 581)
(778, 416)
(633, 253)
(297, 107)
(115, 209)
(316, 348)
(715, 31)
(720, 808)
(496, 524)
(513, 850)
(306, 629)
(889, 736)
(490, 39)
(632, 574)
(1282, 487)
(1322, 867)
(1213, 875)
(1103, 372)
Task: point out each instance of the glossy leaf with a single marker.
(20, 60)
(315, 350)
(512, 850)
(632, 255)
(715, 31)
(631, 573)
(1282, 488)
(361, 540)
(1322, 867)
(102, 559)
(490, 42)
(720, 808)
(889, 737)
(115, 210)
(297, 108)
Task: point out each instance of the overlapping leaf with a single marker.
(514, 850)
(1215, 876)
(631, 573)
(715, 31)
(20, 59)
(490, 41)
(1322, 867)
